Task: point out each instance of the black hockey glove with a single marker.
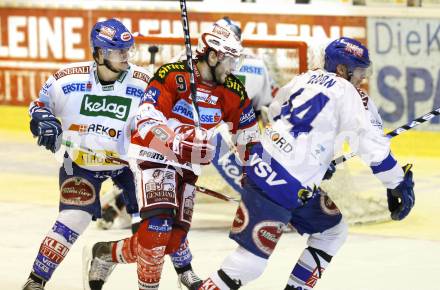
(47, 128)
(330, 171)
(401, 199)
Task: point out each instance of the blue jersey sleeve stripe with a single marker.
(387, 164)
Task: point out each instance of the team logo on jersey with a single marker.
(75, 87)
(247, 116)
(266, 235)
(241, 219)
(151, 95)
(109, 106)
(98, 129)
(206, 98)
(77, 191)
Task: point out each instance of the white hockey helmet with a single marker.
(221, 39)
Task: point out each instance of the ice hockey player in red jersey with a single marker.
(167, 150)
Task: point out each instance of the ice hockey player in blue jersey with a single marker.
(285, 170)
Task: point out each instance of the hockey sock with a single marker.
(125, 251)
(179, 251)
(153, 237)
(58, 241)
(308, 269)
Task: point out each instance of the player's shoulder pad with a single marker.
(233, 84)
(141, 73)
(162, 72)
(77, 68)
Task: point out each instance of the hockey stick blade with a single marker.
(216, 194)
(394, 133)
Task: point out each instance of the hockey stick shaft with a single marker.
(395, 132)
(119, 161)
(189, 60)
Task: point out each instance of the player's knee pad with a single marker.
(71, 223)
(182, 257)
(242, 267)
(331, 240)
(177, 238)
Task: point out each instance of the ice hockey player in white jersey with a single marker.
(88, 103)
(285, 170)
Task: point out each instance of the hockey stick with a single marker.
(119, 161)
(189, 60)
(395, 132)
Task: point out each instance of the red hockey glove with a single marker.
(192, 145)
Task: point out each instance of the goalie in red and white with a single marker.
(167, 150)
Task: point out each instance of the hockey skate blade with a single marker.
(87, 257)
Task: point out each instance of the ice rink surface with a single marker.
(389, 256)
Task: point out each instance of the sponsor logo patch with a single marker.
(188, 204)
(311, 282)
(53, 250)
(328, 206)
(107, 32)
(278, 141)
(141, 76)
(160, 187)
(207, 115)
(67, 233)
(75, 87)
(247, 116)
(96, 129)
(71, 70)
(126, 36)
(266, 235)
(241, 219)
(206, 98)
(109, 106)
(77, 191)
(134, 91)
(167, 68)
(159, 225)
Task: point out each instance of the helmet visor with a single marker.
(359, 74)
(119, 55)
(232, 63)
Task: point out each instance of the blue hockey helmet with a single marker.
(111, 34)
(346, 51)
